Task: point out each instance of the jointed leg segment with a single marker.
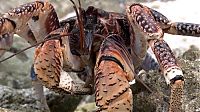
(40, 17)
(172, 73)
(166, 59)
(151, 25)
(176, 28)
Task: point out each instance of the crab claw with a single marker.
(48, 63)
(51, 59)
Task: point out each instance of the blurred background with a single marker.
(14, 73)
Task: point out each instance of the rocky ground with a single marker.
(16, 93)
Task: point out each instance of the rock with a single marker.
(192, 54)
(5, 110)
(23, 100)
(158, 100)
(18, 100)
(15, 72)
(88, 107)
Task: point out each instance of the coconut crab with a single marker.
(108, 46)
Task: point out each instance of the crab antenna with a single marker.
(51, 37)
(4, 49)
(73, 2)
(80, 22)
(82, 36)
(79, 2)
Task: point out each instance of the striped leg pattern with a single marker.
(172, 73)
(176, 28)
(152, 25)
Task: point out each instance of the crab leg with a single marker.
(113, 71)
(176, 28)
(27, 34)
(141, 19)
(172, 72)
(40, 17)
(32, 21)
